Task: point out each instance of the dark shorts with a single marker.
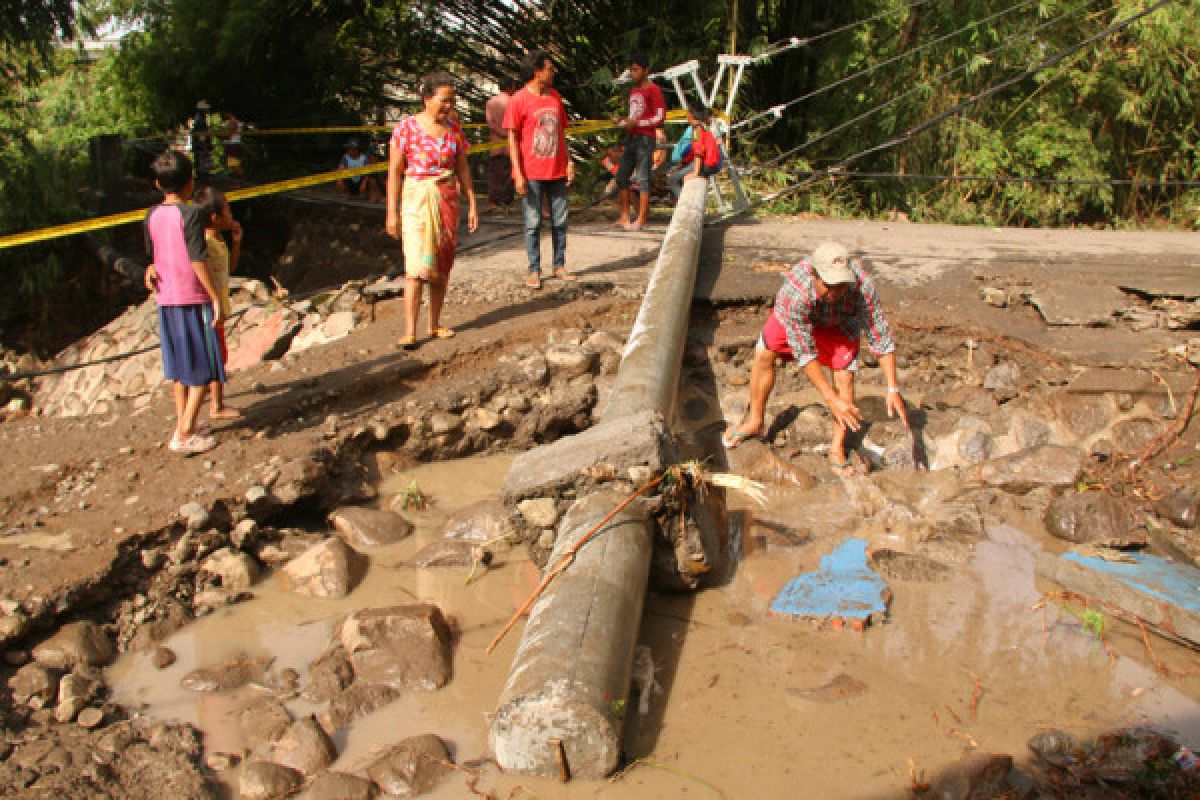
(191, 353)
(637, 161)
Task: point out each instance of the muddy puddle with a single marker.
(745, 703)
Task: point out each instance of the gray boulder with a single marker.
(414, 766)
(404, 647)
(329, 569)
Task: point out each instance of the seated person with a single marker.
(698, 151)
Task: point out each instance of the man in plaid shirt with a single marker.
(821, 312)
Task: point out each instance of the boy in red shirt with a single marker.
(536, 121)
(647, 112)
(702, 158)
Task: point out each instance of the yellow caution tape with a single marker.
(137, 215)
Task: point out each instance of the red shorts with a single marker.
(834, 349)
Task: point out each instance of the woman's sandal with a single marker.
(534, 281)
(407, 342)
(732, 437)
(193, 445)
(442, 333)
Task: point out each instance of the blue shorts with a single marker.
(191, 353)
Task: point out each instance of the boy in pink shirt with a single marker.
(647, 112)
(187, 316)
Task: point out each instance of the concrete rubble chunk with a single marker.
(1065, 304)
(339, 786)
(264, 721)
(82, 643)
(368, 527)
(263, 780)
(1092, 518)
(640, 439)
(539, 512)
(1046, 465)
(305, 747)
(487, 520)
(328, 569)
(232, 569)
(357, 700)
(412, 767)
(404, 647)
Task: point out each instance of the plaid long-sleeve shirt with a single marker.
(855, 313)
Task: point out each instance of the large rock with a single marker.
(339, 786)
(1092, 517)
(264, 721)
(1048, 465)
(81, 643)
(305, 747)
(262, 780)
(358, 700)
(268, 341)
(329, 569)
(404, 647)
(413, 767)
(487, 520)
(232, 569)
(368, 527)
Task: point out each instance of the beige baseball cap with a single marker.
(831, 262)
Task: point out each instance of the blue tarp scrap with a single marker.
(843, 588)
(1177, 584)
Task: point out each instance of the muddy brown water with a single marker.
(746, 704)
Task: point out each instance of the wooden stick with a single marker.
(560, 755)
(566, 560)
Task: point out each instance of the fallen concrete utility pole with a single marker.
(569, 681)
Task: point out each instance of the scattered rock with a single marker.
(339, 786)
(975, 446)
(368, 527)
(32, 685)
(898, 565)
(404, 647)
(447, 553)
(979, 775)
(262, 780)
(1181, 507)
(231, 568)
(163, 657)
(90, 718)
(1004, 378)
(358, 700)
(305, 747)
(74, 691)
(444, 424)
(1133, 437)
(328, 675)
(195, 515)
(1046, 465)
(840, 687)
(82, 643)
(487, 520)
(568, 360)
(221, 762)
(230, 675)
(1082, 414)
(264, 721)
(1093, 518)
(972, 399)
(243, 533)
(539, 512)
(414, 766)
(485, 419)
(1029, 431)
(994, 297)
(329, 569)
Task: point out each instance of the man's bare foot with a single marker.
(225, 412)
(842, 466)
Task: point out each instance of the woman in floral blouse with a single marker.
(427, 170)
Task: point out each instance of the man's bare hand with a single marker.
(844, 412)
(896, 407)
(151, 279)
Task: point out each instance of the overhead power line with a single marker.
(956, 109)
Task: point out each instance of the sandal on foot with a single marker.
(733, 437)
(192, 445)
(407, 342)
(562, 274)
(842, 469)
(534, 281)
(442, 333)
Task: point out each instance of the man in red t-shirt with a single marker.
(536, 121)
(647, 112)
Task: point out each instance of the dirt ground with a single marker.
(84, 499)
